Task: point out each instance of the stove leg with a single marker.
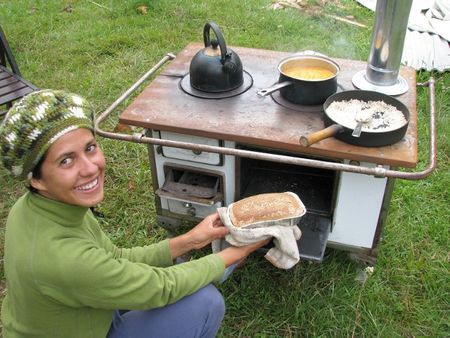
(364, 259)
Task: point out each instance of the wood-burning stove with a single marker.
(209, 152)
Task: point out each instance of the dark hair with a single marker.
(37, 172)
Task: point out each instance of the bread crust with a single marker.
(265, 207)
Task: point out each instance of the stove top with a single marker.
(168, 103)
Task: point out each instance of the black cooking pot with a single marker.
(375, 138)
(305, 91)
(215, 68)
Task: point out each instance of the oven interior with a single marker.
(315, 187)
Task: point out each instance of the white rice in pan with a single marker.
(384, 117)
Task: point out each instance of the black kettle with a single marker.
(215, 69)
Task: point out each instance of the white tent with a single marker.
(428, 34)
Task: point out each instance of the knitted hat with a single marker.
(35, 122)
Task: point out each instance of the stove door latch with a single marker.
(190, 209)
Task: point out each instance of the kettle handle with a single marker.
(220, 39)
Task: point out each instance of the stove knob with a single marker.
(197, 152)
(191, 211)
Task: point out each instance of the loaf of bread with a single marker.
(265, 207)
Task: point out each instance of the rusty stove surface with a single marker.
(260, 121)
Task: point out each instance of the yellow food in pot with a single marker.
(309, 73)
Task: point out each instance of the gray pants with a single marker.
(197, 315)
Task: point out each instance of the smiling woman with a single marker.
(64, 276)
(73, 171)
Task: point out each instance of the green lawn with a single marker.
(98, 49)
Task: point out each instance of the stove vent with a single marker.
(388, 37)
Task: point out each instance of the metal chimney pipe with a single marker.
(388, 37)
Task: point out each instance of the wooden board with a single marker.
(260, 121)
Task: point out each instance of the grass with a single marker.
(79, 46)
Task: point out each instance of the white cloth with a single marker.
(428, 35)
(432, 16)
(283, 255)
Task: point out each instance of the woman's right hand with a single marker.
(234, 254)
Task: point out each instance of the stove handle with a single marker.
(124, 96)
(378, 171)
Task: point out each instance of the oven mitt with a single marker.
(283, 255)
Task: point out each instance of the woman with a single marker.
(64, 277)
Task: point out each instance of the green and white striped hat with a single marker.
(35, 122)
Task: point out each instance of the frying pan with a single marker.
(367, 138)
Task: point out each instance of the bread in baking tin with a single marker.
(266, 208)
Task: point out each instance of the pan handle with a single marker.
(320, 135)
(274, 88)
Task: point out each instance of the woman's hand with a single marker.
(233, 254)
(206, 231)
(209, 229)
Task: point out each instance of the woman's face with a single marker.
(73, 171)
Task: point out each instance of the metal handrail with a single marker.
(378, 171)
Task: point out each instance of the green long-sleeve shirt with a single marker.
(65, 278)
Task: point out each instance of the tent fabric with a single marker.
(428, 35)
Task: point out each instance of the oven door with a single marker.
(190, 192)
